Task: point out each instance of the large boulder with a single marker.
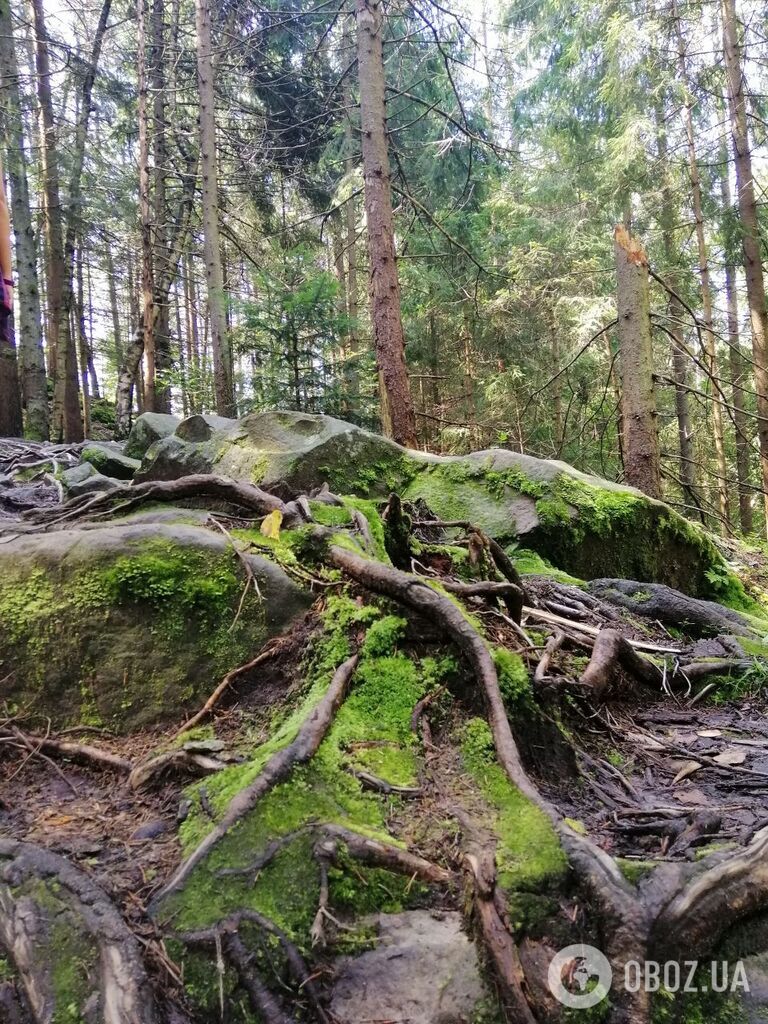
(147, 429)
(132, 622)
(579, 522)
(108, 458)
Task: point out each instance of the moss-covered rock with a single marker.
(578, 522)
(148, 428)
(130, 623)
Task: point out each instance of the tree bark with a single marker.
(680, 368)
(223, 382)
(638, 400)
(31, 353)
(750, 233)
(397, 413)
(67, 423)
(710, 353)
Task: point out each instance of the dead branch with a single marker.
(81, 753)
(279, 766)
(266, 652)
(151, 772)
(553, 645)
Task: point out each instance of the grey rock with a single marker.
(130, 639)
(656, 601)
(513, 497)
(85, 478)
(424, 970)
(110, 460)
(151, 829)
(149, 427)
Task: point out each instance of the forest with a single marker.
(383, 512)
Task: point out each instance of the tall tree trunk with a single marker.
(117, 334)
(147, 314)
(157, 316)
(750, 234)
(680, 368)
(638, 400)
(78, 316)
(128, 379)
(223, 383)
(397, 412)
(30, 346)
(67, 423)
(351, 375)
(193, 334)
(737, 365)
(710, 353)
(739, 373)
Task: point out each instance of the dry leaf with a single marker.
(270, 525)
(689, 767)
(731, 755)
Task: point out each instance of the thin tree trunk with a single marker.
(638, 400)
(750, 234)
(223, 383)
(31, 353)
(128, 379)
(113, 305)
(710, 353)
(397, 412)
(147, 314)
(193, 336)
(78, 316)
(738, 368)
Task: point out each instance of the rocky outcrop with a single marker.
(424, 970)
(132, 622)
(577, 521)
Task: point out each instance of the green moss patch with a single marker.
(529, 856)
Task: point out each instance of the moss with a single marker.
(514, 681)
(703, 1007)
(386, 471)
(372, 731)
(122, 641)
(529, 856)
(330, 515)
(383, 636)
(635, 870)
(529, 563)
(577, 519)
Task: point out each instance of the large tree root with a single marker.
(279, 766)
(43, 896)
(236, 492)
(613, 652)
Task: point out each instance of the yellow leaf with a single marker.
(270, 525)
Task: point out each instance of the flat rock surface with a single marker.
(423, 971)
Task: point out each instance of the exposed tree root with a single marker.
(236, 492)
(262, 1000)
(612, 652)
(338, 840)
(121, 988)
(510, 593)
(480, 865)
(279, 766)
(156, 769)
(81, 753)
